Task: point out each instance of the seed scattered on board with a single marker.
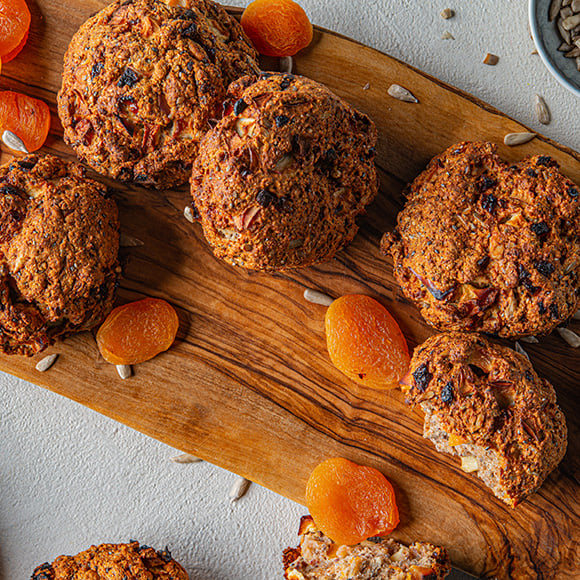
(127, 241)
(367, 87)
(542, 111)
(529, 339)
(316, 297)
(124, 371)
(185, 458)
(45, 363)
(402, 94)
(286, 64)
(569, 336)
(577, 315)
(13, 141)
(513, 139)
(188, 213)
(520, 350)
(239, 489)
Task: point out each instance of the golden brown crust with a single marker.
(481, 245)
(141, 82)
(113, 562)
(488, 396)
(279, 181)
(59, 243)
(319, 558)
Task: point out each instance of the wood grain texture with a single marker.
(248, 384)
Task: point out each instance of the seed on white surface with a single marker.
(45, 363)
(316, 297)
(447, 13)
(491, 59)
(185, 458)
(402, 94)
(447, 36)
(534, 52)
(469, 464)
(513, 139)
(13, 141)
(239, 489)
(127, 241)
(520, 350)
(542, 111)
(124, 371)
(554, 10)
(529, 339)
(188, 214)
(569, 336)
(286, 64)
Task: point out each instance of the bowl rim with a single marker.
(540, 47)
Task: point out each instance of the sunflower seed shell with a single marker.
(45, 363)
(513, 139)
(402, 94)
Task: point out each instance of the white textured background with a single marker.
(70, 478)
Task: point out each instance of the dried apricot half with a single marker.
(14, 26)
(26, 117)
(351, 502)
(138, 331)
(277, 27)
(365, 342)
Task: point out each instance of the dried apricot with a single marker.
(26, 117)
(14, 26)
(351, 502)
(277, 27)
(138, 331)
(365, 342)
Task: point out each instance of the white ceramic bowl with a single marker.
(547, 39)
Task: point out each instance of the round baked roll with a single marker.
(485, 403)
(142, 80)
(59, 242)
(281, 179)
(113, 562)
(486, 246)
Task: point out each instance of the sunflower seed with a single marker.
(13, 141)
(571, 22)
(185, 458)
(566, 12)
(520, 350)
(45, 363)
(491, 59)
(447, 36)
(577, 315)
(574, 53)
(529, 339)
(575, 6)
(554, 10)
(317, 297)
(127, 241)
(124, 371)
(239, 489)
(565, 34)
(188, 213)
(367, 87)
(447, 13)
(401, 93)
(570, 337)
(566, 3)
(565, 47)
(286, 64)
(513, 139)
(542, 111)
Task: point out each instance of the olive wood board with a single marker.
(248, 385)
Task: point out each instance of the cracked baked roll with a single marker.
(59, 242)
(485, 403)
(143, 79)
(281, 179)
(113, 562)
(486, 246)
(319, 558)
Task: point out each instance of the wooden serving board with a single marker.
(248, 384)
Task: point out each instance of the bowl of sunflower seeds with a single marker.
(555, 27)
